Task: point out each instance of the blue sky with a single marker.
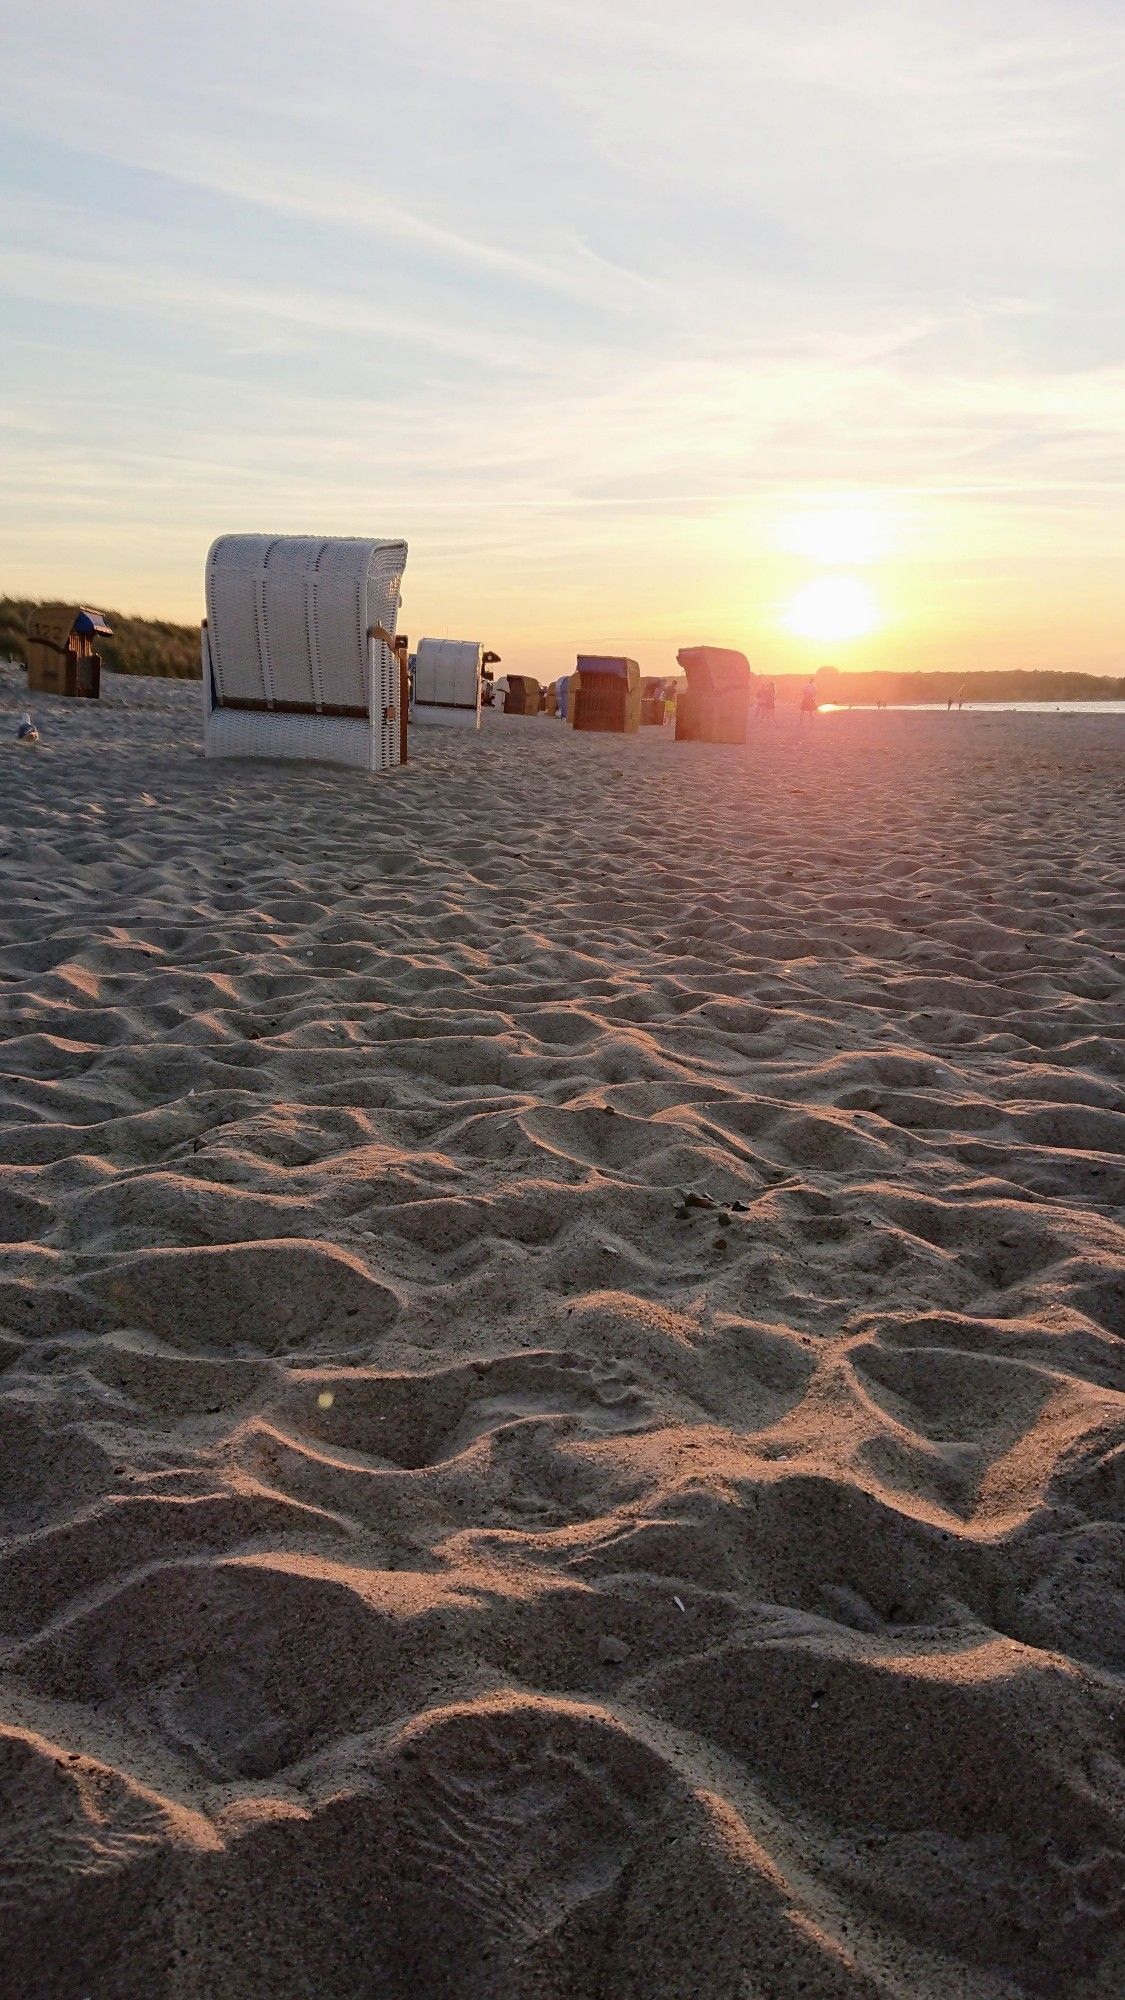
(590, 303)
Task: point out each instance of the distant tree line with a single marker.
(982, 684)
(150, 646)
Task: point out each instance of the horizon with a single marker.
(795, 336)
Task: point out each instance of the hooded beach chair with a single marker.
(652, 703)
(447, 682)
(60, 650)
(522, 697)
(605, 693)
(714, 707)
(299, 653)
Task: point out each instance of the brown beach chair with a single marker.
(522, 697)
(605, 693)
(60, 650)
(652, 703)
(714, 707)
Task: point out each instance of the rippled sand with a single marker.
(429, 1565)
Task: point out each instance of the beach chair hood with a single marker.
(604, 663)
(714, 669)
(298, 648)
(447, 682)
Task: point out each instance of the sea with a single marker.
(982, 707)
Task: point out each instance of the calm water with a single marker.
(986, 707)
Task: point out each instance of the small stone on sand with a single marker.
(612, 1652)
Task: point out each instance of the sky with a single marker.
(788, 325)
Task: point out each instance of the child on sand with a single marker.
(809, 703)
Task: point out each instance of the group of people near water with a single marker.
(765, 699)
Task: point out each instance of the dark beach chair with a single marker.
(522, 697)
(652, 703)
(605, 693)
(60, 650)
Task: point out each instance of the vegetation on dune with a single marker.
(983, 684)
(152, 646)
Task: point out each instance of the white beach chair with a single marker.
(298, 649)
(447, 683)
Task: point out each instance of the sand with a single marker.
(429, 1564)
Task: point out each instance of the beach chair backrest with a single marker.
(447, 677)
(289, 618)
(714, 669)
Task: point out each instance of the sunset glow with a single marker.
(839, 533)
(637, 329)
(833, 609)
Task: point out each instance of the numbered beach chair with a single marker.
(714, 707)
(447, 683)
(298, 644)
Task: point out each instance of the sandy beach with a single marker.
(433, 1565)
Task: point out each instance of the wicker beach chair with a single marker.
(605, 693)
(714, 707)
(447, 683)
(298, 647)
(60, 650)
(523, 695)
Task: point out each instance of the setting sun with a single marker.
(833, 609)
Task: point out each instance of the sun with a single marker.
(833, 609)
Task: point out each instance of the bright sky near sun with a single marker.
(792, 325)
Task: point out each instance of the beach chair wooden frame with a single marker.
(298, 649)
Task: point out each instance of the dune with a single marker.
(437, 1560)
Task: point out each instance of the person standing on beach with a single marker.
(809, 703)
(766, 701)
